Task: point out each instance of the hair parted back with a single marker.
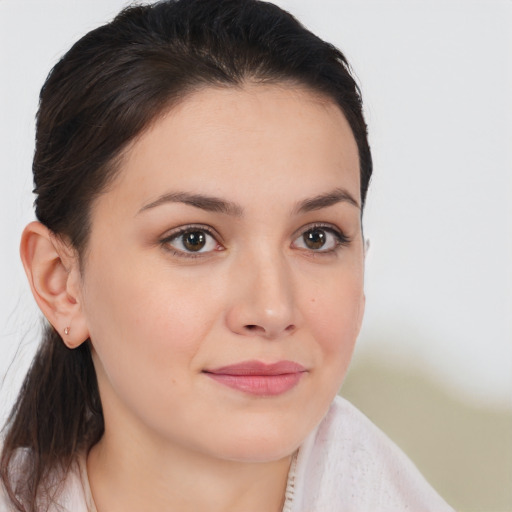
(105, 91)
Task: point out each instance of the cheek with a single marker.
(146, 332)
(334, 314)
(146, 323)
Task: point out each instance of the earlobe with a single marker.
(53, 273)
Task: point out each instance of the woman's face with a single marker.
(223, 282)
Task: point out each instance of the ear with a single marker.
(362, 306)
(366, 242)
(53, 272)
(361, 312)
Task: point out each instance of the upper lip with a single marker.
(258, 368)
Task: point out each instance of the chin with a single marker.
(260, 451)
(263, 444)
(267, 434)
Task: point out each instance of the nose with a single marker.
(263, 298)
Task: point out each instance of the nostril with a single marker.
(255, 329)
(258, 329)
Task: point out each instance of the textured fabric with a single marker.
(345, 465)
(348, 465)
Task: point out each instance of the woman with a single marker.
(201, 169)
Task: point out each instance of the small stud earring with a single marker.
(66, 331)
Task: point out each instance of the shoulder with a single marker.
(4, 501)
(18, 461)
(70, 497)
(347, 460)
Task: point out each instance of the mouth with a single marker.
(258, 378)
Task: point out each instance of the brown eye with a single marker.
(320, 239)
(314, 238)
(194, 240)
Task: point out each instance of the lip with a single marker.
(259, 378)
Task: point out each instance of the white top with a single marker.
(346, 464)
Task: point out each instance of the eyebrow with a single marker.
(208, 203)
(217, 205)
(338, 195)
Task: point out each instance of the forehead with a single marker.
(246, 143)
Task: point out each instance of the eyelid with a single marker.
(342, 238)
(320, 225)
(190, 227)
(176, 232)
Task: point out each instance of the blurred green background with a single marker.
(463, 451)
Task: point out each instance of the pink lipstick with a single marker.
(257, 378)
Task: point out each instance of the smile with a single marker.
(257, 378)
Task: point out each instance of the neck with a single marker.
(167, 477)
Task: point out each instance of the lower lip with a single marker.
(260, 385)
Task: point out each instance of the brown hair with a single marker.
(105, 91)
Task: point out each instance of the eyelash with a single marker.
(165, 242)
(341, 239)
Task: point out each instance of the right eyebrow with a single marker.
(204, 202)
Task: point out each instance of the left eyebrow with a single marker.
(338, 195)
